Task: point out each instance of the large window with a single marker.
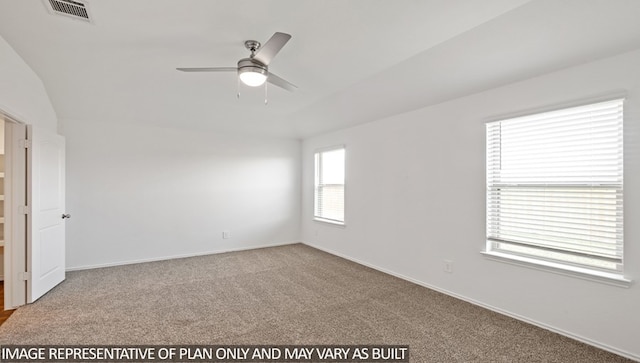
(329, 185)
(554, 188)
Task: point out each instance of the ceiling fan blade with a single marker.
(280, 82)
(269, 50)
(209, 69)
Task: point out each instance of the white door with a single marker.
(46, 222)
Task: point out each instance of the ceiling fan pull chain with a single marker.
(266, 101)
(238, 88)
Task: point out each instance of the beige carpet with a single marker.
(282, 295)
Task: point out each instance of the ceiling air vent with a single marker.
(70, 8)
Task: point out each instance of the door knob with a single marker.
(65, 216)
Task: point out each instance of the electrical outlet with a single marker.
(448, 266)
(226, 234)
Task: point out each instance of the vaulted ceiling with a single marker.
(354, 61)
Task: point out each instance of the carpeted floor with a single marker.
(282, 295)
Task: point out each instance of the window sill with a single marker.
(328, 221)
(557, 268)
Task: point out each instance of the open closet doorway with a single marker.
(3, 315)
(2, 201)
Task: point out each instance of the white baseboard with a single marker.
(163, 258)
(486, 306)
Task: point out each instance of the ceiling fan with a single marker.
(254, 71)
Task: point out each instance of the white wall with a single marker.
(140, 193)
(22, 94)
(415, 197)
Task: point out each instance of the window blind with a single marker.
(555, 186)
(329, 185)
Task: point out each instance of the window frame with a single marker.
(316, 218)
(615, 278)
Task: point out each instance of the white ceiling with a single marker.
(354, 61)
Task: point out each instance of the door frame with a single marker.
(15, 223)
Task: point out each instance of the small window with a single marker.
(329, 185)
(554, 187)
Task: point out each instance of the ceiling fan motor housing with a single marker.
(252, 65)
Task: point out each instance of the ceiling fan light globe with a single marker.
(252, 76)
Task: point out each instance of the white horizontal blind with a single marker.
(329, 185)
(554, 186)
